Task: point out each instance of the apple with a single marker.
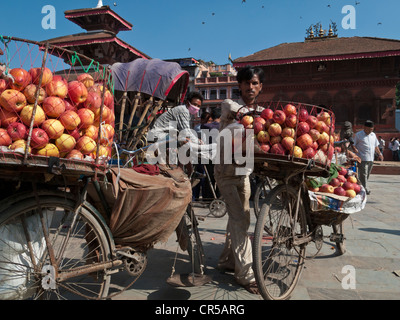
(312, 121)
(93, 100)
(290, 109)
(326, 188)
(26, 115)
(315, 145)
(325, 117)
(12, 100)
(267, 114)
(274, 140)
(69, 105)
(91, 131)
(350, 193)
(85, 145)
(21, 79)
(342, 171)
(291, 121)
(335, 182)
(19, 145)
(304, 141)
(314, 134)
(275, 129)
(277, 148)
(75, 154)
(302, 128)
(323, 138)
(297, 152)
(357, 188)
(265, 147)
(245, 121)
(259, 119)
(268, 123)
(258, 126)
(263, 137)
(7, 117)
(340, 191)
(321, 127)
(53, 106)
(352, 179)
(65, 143)
(313, 189)
(17, 131)
(348, 185)
(86, 116)
(279, 116)
(70, 120)
(107, 112)
(5, 139)
(341, 178)
(46, 78)
(288, 143)
(49, 150)
(104, 151)
(303, 115)
(57, 87)
(309, 153)
(30, 93)
(288, 132)
(86, 79)
(53, 128)
(3, 85)
(77, 92)
(39, 138)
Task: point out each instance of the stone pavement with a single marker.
(373, 253)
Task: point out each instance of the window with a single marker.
(213, 94)
(204, 93)
(235, 93)
(222, 94)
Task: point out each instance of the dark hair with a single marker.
(194, 95)
(369, 124)
(215, 113)
(205, 115)
(248, 72)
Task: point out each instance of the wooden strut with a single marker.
(136, 103)
(121, 116)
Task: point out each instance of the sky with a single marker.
(208, 29)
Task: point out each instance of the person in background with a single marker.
(381, 146)
(367, 144)
(396, 149)
(204, 118)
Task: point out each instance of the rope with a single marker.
(5, 42)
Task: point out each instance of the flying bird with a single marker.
(357, 2)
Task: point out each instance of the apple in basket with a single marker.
(53, 128)
(348, 185)
(5, 139)
(86, 79)
(279, 116)
(91, 131)
(3, 85)
(350, 193)
(39, 138)
(46, 78)
(267, 114)
(246, 120)
(70, 120)
(290, 109)
(21, 79)
(303, 115)
(275, 129)
(65, 143)
(288, 132)
(304, 141)
(87, 117)
(12, 100)
(77, 92)
(312, 121)
(325, 117)
(357, 188)
(297, 152)
(277, 148)
(85, 145)
(288, 143)
(7, 117)
(309, 153)
(342, 171)
(19, 145)
(265, 147)
(17, 131)
(314, 134)
(335, 182)
(258, 126)
(340, 191)
(302, 128)
(341, 178)
(27, 112)
(53, 106)
(30, 93)
(263, 137)
(93, 100)
(352, 179)
(75, 154)
(49, 150)
(291, 121)
(326, 188)
(57, 87)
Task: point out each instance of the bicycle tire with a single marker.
(277, 262)
(194, 246)
(340, 245)
(263, 188)
(75, 244)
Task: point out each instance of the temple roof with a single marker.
(102, 18)
(326, 49)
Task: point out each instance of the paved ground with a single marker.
(373, 250)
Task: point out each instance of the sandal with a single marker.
(252, 288)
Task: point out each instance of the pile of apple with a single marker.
(344, 185)
(294, 132)
(67, 118)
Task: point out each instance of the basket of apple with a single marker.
(291, 131)
(52, 111)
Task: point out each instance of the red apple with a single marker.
(76, 133)
(46, 78)
(321, 127)
(21, 79)
(263, 137)
(49, 150)
(86, 116)
(309, 153)
(57, 87)
(277, 148)
(53, 106)
(85, 145)
(27, 112)
(315, 145)
(259, 119)
(3, 85)
(325, 117)
(326, 188)
(314, 134)
(275, 129)
(288, 132)
(17, 131)
(75, 154)
(65, 143)
(93, 100)
(30, 93)
(5, 139)
(69, 105)
(303, 115)
(86, 79)
(265, 147)
(304, 141)
(342, 179)
(274, 140)
(340, 191)
(335, 182)
(91, 131)
(288, 143)
(267, 114)
(279, 116)
(39, 138)
(53, 128)
(323, 139)
(77, 92)
(7, 117)
(357, 188)
(70, 120)
(342, 171)
(290, 109)
(12, 100)
(291, 121)
(312, 121)
(258, 126)
(348, 185)
(245, 121)
(302, 128)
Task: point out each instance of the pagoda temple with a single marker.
(356, 77)
(100, 40)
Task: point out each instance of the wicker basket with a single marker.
(328, 217)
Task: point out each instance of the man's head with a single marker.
(368, 127)
(216, 113)
(194, 101)
(250, 81)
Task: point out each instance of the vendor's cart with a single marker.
(288, 220)
(57, 221)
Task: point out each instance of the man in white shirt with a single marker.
(367, 144)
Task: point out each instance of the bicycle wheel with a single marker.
(262, 190)
(338, 234)
(46, 250)
(194, 246)
(278, 258)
